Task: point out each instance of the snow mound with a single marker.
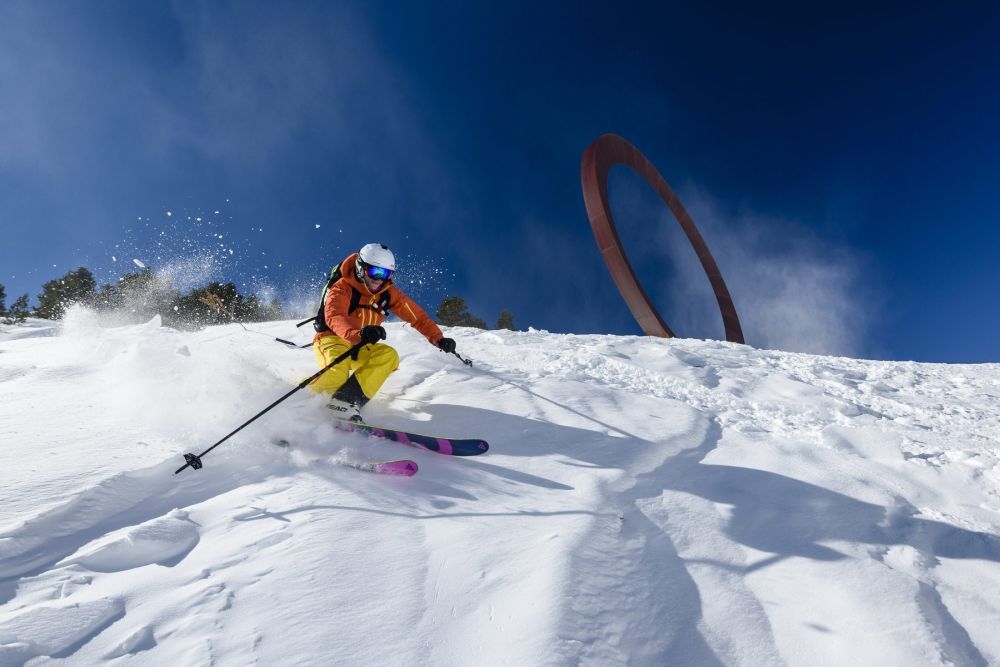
(164, 541)
(139, 640)
(643, 502)
(54, 629)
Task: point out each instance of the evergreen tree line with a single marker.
(18, 311)
(454, 313)
(140, 296)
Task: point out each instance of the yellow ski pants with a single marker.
(374, 364)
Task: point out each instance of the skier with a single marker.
(355, 304)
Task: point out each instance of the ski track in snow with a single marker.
(644, 502)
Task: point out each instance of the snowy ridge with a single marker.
(644, 502)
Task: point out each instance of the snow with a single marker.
(644, 502)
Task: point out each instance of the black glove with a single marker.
(447, 344)
(372, 334)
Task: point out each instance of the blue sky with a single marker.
(842, 163)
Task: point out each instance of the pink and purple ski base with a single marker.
(402, 468)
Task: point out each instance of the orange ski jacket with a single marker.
(370, 308)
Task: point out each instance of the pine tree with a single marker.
(218, 303)
(269, 312)
(450, 312)
(57, 295)
(205, 306)
(505, 320)
(18, 311)
(141, 295)
(3, 300)
(453, 313)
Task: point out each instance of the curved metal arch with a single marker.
(607, 151)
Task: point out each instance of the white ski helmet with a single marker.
(378, 254)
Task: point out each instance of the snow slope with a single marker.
(645, 502)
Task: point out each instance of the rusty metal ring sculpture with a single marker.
(607, 151)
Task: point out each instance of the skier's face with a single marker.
(373, 284)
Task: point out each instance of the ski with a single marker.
(402, 467)
(447, 446)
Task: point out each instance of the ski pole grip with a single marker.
(192, 460)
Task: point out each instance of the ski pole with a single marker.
(194, 460)
(467, 362)
(213, 301)
(291, 344)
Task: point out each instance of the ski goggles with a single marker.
(378, 273)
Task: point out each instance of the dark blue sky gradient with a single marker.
(842, 162)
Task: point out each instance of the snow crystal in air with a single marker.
(139, 263)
